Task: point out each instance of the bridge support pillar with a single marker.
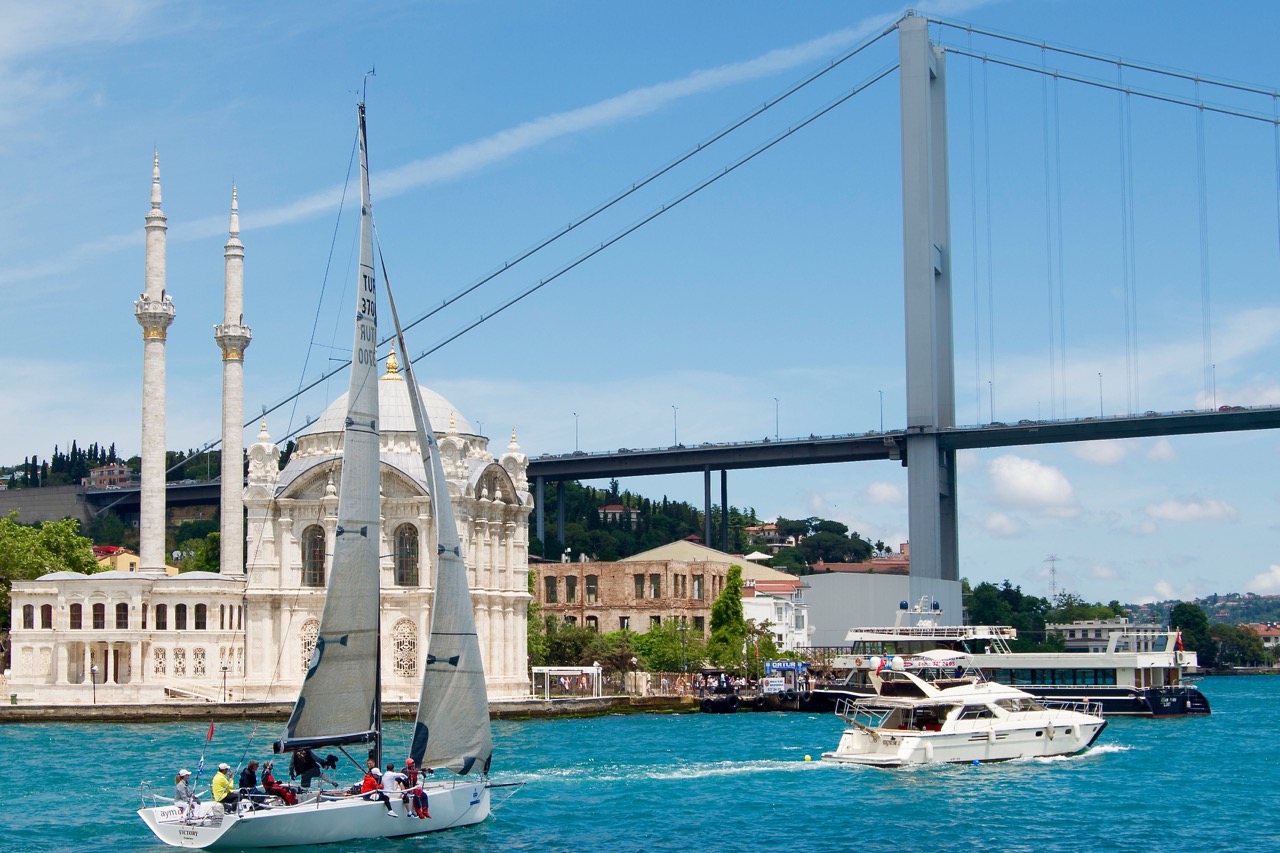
(706, 506)
(926, 243)
(541, 509)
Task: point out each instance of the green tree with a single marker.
(536, 629)
(670, 647)
(27, 552)
(1191, 620)
(728, 626)
(201, 555)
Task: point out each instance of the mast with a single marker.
(340, 700)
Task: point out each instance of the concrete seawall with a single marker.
(507, 709)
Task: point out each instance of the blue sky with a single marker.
(493, 125)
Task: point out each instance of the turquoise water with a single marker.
(723, 783)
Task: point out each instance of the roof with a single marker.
(866, 568)
(394, 411)
(684, 551)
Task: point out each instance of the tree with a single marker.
(670, 647)
(28, 552)
(728, 626)
(1191, 620)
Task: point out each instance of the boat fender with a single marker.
(991, 735)
(1049, 732)
(706, 706)
(790, 696)
(1075, 731)
(928, 751)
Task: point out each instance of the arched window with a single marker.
(404, 649)
(179, 617)
(406, 549)
(592, 584)
(77, 617)
(593, 624)
(162, 617)
(46, 616)
(202, 617)
(28, 616)
(122, 616)
(310, 631)
(313, 556)
(99, 617)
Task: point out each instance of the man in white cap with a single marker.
(223, 791)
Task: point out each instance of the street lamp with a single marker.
(675, 426)
(224, 682)
(635, 678)
(575, 432)
(684, 661)
(93, 679)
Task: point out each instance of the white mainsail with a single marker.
(452, 727)
(340, 699)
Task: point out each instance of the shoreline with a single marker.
(530, 708)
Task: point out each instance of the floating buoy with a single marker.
(807, 758)
(976, 762)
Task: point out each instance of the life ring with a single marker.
(857, 661)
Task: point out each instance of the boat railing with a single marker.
(1093, 709)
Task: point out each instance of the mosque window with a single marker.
(180, 662)
(202, 617)
(162, 617)
(99, 617)
(313, 556)
(28, 616)
(406, 544)
(310, 631)
(122, 616)
(180, 617)
(551, 590)
(46, 616)
(76, 617)
(404, 642)
(157, 658)
(197, 663)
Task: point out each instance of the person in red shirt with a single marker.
(274, 788)
(371, 789)
(415, 799)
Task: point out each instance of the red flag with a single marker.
(210, 735)
(1178, 645)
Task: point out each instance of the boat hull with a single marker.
(895, 748)
(323, 821)
(1116, 701)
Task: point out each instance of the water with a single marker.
(697, 782)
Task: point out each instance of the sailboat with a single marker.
(339, 704)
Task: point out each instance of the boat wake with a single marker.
(595, 774)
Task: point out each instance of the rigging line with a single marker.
(1062, 287)
(991, 302)
(973, 241)
(635, 187)
(659, 212)
(328, 265)
(1110, 60)
(1103, 84)
(1275, 138)
(1203, 198)
(1048, 241)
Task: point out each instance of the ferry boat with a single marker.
(1140, 673)
(935, 708)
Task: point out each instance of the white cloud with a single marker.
(999, 524)
(1144, 528)
(1161, 451)
(885, 493)
(1029, 484)
(1267, 583)
(1102, 573)
(1210, 510)
(1100, 452)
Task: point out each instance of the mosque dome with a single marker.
(395, 413)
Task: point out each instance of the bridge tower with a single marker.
(926, 244)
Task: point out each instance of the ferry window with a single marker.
(551, 590)
(639, 579)
(99, 617)
(28, 616)
(592, 588)
(1022, 676)
(46, 616)
(162, 617)
(1107, 676)
(1086, 676)
(1161, 643)
(406, 555)
(976, 713)
(76, 617)
(122, 616)
(570, 590)
(202, 617)
(180, 617)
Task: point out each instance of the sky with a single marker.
(1110, 254)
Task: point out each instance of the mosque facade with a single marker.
(247, 631)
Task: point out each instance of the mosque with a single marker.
(247, 631)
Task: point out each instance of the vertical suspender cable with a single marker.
(1132, 307)
(1206, 330)
(1125, 237)
(1275, 141)
(991, 308)
(973, 238)
(1048, 237)
(1062, 298)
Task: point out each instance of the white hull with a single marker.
(969, 742)
(451, 804)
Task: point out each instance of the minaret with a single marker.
(233, 337)
(154, 312)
